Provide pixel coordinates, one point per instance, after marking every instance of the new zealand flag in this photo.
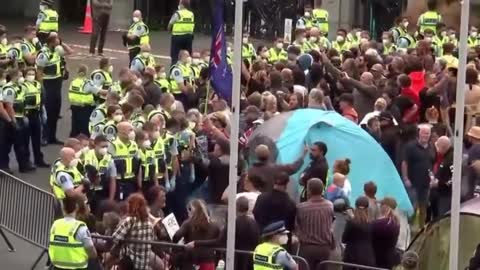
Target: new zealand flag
(220, 72)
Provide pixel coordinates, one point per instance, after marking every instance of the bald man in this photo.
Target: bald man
(441, 185)
(365, 92)
(126, 156)
(137, 35)
(143, 60)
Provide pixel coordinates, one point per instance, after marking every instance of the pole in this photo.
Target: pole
(458, 138)
(232, 186)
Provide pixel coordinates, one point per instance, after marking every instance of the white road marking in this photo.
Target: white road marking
(164, 57)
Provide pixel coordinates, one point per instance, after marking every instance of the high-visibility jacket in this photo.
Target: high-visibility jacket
(125, 159)
(137, 120)
(399, 32)
(3, 51)
(77, 95)
(248, 52)
(473, 42)
(110, 130)
(320, 19)
(19, 101)
(73, 172)
(53, 70)
(33, 95)
(16, 53)
(148, 163)
(144, 38)
(100, 109)
(264, 257)
(64, 250)
(185, 23)
(148, 61)
(412, 43)
(304, 47)
(50, 23)
(163, 84)
(390, 49)
(168, 140)
(429, 20)
(187, 75)
(108, 81)
(166, 115)
(101, 165)
(274, 55)
(437, 45)
(341, 47)
(307, 22)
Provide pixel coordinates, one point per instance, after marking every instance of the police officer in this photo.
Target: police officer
(71, 246)
(13, 98)
(47, 20)
(114, 116)
(306, 21)
(181, 25)
(277, 53)
(161, 79)
(102, 161)
(270, 254)
(102, 78)
(81, 95)
(143, 60)
(400, 29)
(181, 77)
(341, 44)
(319, 40)
(99, 115)
(429, 19)
(388, 44)
(197, 64)
(137, 35)
(248, 51)
(320, 17)
(49, 61)
(473, 37)
(147, 160)
(4, 46)
(125, 154)
(30, 46)
(33, 102)
(15, 54)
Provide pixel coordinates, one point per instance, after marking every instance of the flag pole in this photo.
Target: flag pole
(232, 186)
(458, 137)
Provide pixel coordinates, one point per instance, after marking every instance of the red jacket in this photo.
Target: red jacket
(418, 81)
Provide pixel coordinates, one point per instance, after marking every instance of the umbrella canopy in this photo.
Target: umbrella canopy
(288, 133)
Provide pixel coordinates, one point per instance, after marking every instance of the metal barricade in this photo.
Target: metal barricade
(357, 266)
(25, 211)
(171, 246)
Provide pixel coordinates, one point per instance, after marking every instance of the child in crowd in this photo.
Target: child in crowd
(335, 190)
(370, 190)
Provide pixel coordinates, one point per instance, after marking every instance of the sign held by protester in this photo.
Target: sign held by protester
(171, 225)
(287, 36)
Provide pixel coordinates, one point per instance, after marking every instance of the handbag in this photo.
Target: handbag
(125, 263)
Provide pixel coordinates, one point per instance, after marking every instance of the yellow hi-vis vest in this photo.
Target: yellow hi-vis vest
(76, 94)
(74, 173)
(19, 101)
(389, 50)
(160, 156)
(3, 51)
(124, 159)
(341, 47)
(101, 165)
(248, 52)
(473, 42)
(149, 166)
(168, 140)
(108, 82)
(144, 38)
(33, 95)
(185, 23)
(64, 250)
(275, 56)
(429, 20)
(320, 19)
(50, 23)
(187, 74)
(264, 257)
(146, 61)
(53, 70)
(163, 84)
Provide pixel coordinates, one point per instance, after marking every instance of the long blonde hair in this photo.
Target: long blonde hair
(199, 218)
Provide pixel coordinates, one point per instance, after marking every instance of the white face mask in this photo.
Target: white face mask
(452, 36)
(189, 60)
(21, 80)
(138, 82)
(313, 39)
(102, 151)
(85, 149)
(358, 34)
(405, 24)
(283, 239)
(307, 14)
(147, 144)
(195, 61)
(145, 54)
(303, 39)
(428, 39)
(135, 19)
(156, 135)
(3, 82)
(42, 7)
(35, 40)
(4, 41)
(110, 69)
(279, 45)
(73, 163)
(443, 34)
(340, 38)
(206, 59)
(245, 40)
(386, 41)
(131, 135)
(229, 49)
(117, 118)
(78, 154)
(473, 34)
(162, 75)
(59, 49)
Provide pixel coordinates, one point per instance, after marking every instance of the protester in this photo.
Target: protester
(318, 167)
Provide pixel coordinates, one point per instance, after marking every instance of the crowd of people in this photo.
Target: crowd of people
(156, 141)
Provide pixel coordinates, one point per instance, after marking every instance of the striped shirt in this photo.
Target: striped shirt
(314, 222)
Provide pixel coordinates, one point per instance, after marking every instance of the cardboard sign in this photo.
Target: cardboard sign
(171, 225)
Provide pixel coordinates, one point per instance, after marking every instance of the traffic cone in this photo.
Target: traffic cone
(87, 23)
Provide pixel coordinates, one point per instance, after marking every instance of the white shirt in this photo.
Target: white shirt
(370, 115)
(347, 188)
(252, 199)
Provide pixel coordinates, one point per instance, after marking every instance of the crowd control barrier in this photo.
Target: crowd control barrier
(351, 265)
(220, 252)
(25, 211)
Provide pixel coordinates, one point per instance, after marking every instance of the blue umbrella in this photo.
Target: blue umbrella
(288, 133)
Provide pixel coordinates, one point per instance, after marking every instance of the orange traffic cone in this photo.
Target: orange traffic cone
(87, 23)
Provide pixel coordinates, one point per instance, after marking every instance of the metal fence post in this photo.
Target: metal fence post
(9, 244)
(38, 259)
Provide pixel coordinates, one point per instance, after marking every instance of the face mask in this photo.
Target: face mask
(35, 40)
(59, 49)
(340, 38)
(42, 7)
(245, 40)
(405, 24)
(73, 163)
(206, 59)
(283, 239)
(452, 36)
(303, 39)
(180, 7)
(117, 118)
(145, 54)
(21, 80)
(156, 135)
(102, 151)
(138, 82)
(473, 34)
(135, 19)
(4, 41)
(280, 45)
(386, 41)
(358, 34)
(110, 69)
(444, 34)
(146, 144)
(162, 75)
(313, 39)
(30, 78)
(85, 149)
(78, 154)
(428, 39)
(131, 135)
(189, 60)
(195, 61)
(3, 81)
(229, 49)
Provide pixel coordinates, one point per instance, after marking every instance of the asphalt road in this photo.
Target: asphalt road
(25, 253)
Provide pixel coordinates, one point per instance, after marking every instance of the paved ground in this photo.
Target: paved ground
(25, 253)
